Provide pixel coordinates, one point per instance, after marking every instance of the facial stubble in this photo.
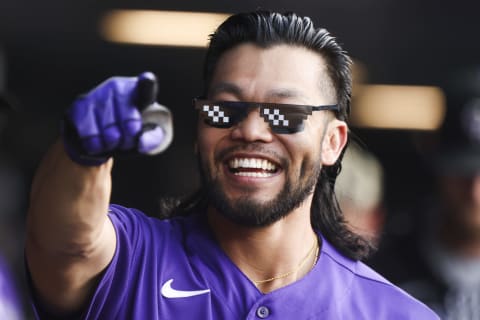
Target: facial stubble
(247, 211)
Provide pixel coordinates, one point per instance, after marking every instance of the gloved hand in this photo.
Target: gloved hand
(118, 116)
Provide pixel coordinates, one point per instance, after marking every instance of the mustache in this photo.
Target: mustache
(254, 147)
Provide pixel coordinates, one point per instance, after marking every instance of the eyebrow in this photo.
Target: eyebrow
(284, 93)
(225, 87)
(228, 87)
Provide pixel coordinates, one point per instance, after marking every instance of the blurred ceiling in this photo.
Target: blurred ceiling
(417, 34)
(399, 41)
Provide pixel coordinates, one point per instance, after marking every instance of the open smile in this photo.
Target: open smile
(252, 167)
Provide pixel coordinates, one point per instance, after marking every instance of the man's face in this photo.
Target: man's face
(255, 177)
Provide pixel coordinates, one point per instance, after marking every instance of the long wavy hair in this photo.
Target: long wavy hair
(266, 29)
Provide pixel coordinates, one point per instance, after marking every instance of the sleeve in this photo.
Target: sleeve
(130, 228)
(110, 294)
(131, 283)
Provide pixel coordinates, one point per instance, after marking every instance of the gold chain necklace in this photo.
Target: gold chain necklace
(298, 267)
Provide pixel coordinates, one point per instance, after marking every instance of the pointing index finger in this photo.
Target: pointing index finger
(146, 91)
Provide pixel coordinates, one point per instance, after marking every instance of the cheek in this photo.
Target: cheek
(207, 142)
(306, 142)
(304, 151)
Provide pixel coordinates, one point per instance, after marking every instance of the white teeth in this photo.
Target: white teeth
(264, 164)
(253, 174)
(252, 163)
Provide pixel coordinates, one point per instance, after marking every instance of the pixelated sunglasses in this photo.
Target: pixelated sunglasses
(282, 118)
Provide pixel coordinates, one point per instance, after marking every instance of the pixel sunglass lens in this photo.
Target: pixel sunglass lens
(282, 118)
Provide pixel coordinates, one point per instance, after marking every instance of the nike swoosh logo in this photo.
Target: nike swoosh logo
(168, 292)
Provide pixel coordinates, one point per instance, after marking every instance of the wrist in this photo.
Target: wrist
(75, 151)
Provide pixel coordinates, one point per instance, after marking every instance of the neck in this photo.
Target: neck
(284, 251)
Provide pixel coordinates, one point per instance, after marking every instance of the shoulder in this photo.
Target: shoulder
(370, 294)
(130, 216)
(137, 226)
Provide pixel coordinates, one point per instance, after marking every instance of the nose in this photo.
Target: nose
(252, 128)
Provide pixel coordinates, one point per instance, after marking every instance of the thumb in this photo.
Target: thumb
(150, 140)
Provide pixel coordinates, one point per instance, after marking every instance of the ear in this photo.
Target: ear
(334, 140)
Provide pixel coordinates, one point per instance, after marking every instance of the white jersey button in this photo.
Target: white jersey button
(263, 312)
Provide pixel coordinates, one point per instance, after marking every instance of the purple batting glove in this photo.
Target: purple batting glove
(108, 120)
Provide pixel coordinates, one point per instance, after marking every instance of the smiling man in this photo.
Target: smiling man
(263, 238)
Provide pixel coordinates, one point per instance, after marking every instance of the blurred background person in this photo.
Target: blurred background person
(359, 191)
(439, 261)
(12, 198)
(10, 303)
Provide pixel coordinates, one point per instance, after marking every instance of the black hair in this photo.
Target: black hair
(266, 29)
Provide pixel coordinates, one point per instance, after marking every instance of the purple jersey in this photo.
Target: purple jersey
(174, 269)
